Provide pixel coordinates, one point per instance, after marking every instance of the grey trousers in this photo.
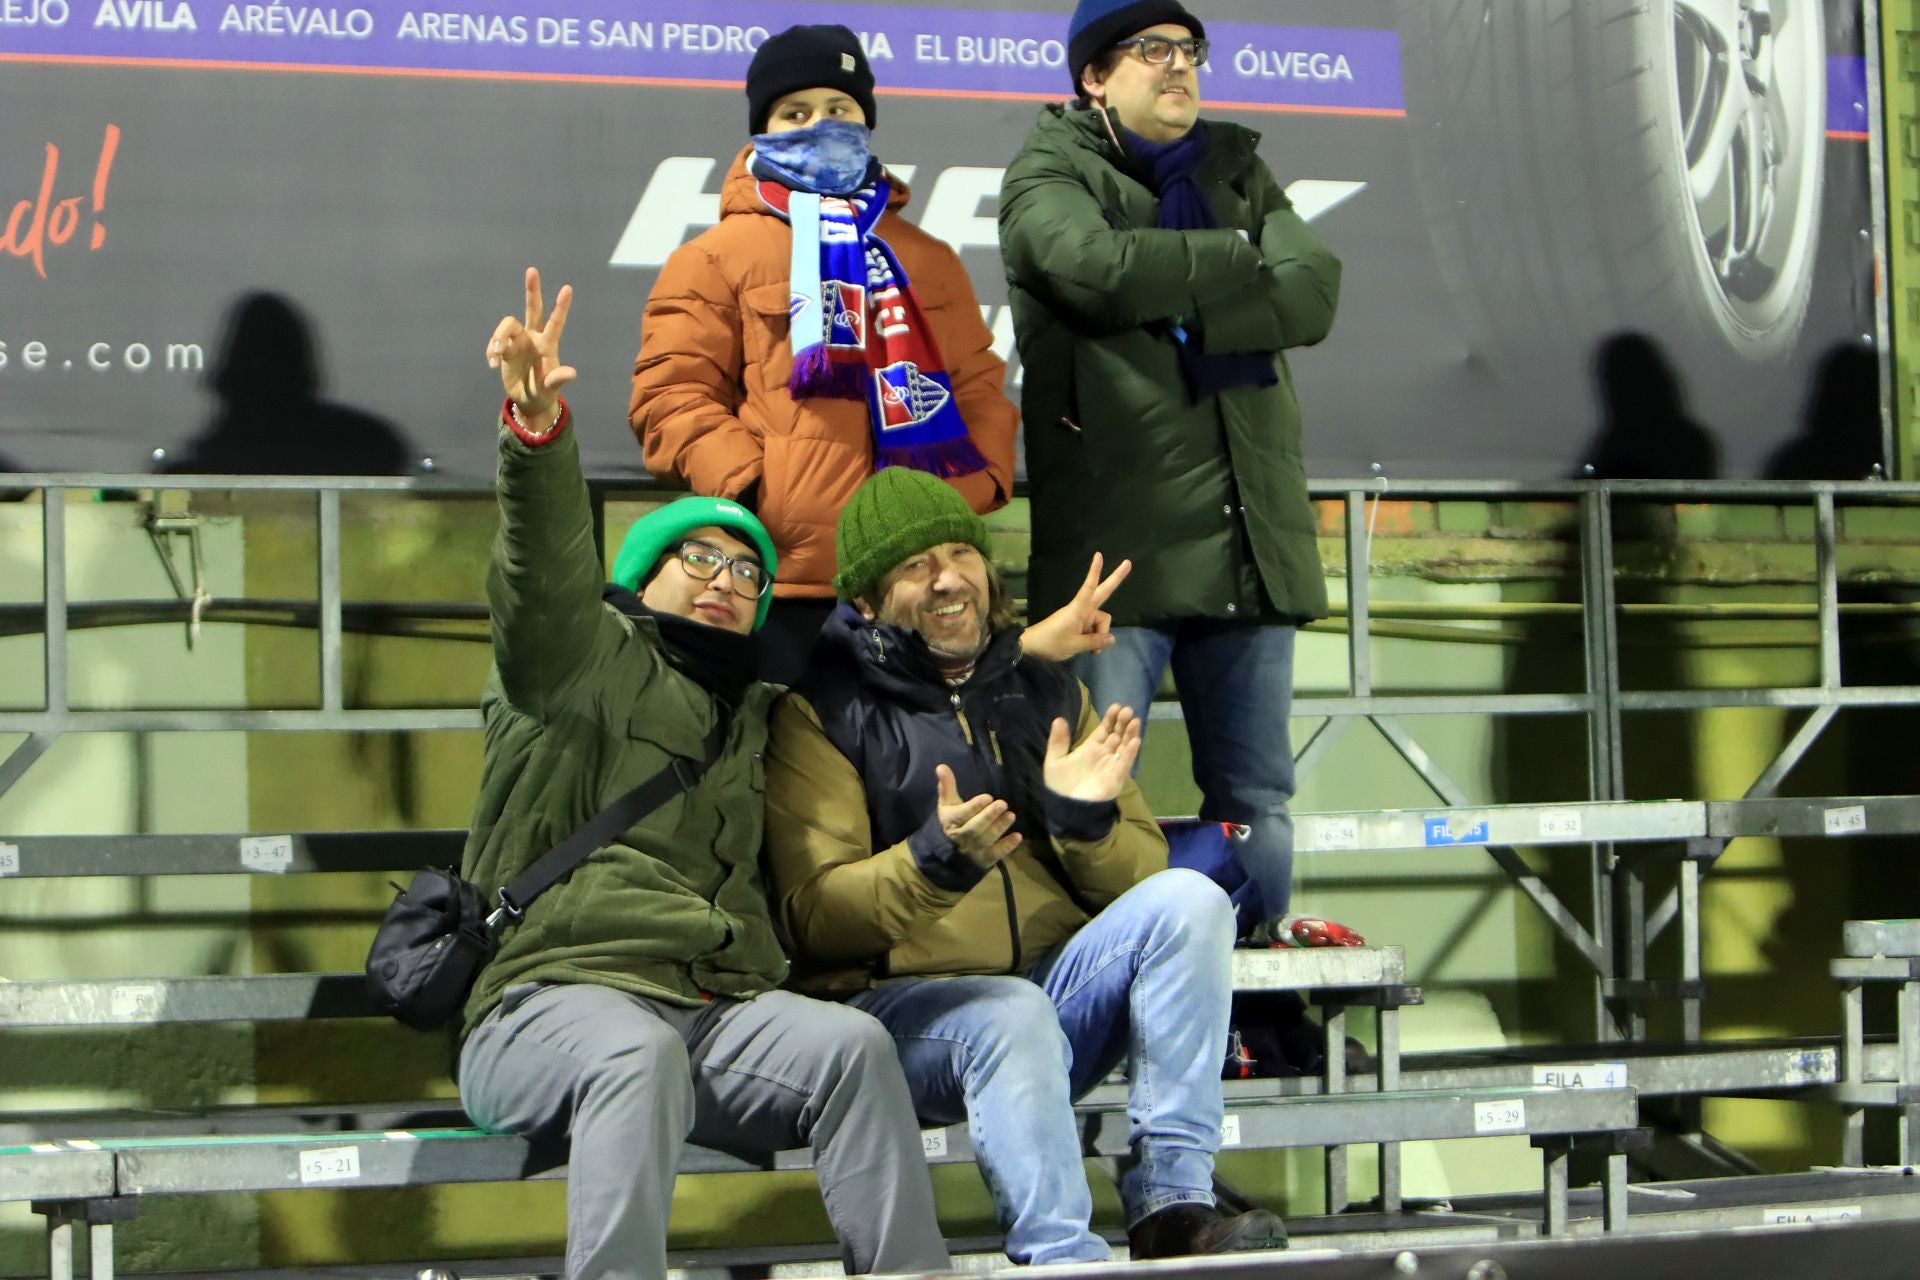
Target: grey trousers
(627, 1081)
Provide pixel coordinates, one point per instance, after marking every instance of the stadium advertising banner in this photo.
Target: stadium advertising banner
(1631, 236)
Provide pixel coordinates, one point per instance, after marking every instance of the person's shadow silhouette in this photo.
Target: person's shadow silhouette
(1840, 437)
(1645, 431)
(8, 467)
(271, 419)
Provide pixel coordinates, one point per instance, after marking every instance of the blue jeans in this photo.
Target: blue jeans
(1235, 681)
(1148, 982)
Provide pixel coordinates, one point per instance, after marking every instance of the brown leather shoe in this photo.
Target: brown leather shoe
(1184, 1230)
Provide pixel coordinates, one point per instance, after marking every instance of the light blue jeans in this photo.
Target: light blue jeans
(1148, 982)
(1235, 681)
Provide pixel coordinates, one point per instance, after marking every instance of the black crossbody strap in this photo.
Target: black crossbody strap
(558, 862)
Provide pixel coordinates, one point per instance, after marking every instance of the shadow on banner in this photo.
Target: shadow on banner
(271, 419)
(7, 494)
(1840, 436)
(1646, 431)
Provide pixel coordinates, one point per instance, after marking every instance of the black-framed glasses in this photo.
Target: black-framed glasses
(704, 561)
(1158, 50)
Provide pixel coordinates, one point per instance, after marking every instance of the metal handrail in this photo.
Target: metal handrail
(1616, 941)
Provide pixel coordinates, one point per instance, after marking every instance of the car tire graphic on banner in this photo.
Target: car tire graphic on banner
(1594, 166)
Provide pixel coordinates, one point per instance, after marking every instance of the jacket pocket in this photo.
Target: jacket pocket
(672, 729)
(655, 742)
(766, 337)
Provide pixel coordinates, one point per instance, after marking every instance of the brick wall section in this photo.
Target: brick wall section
(1727, 544)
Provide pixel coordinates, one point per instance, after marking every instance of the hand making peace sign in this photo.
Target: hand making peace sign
(527, 354)
(1080, 625)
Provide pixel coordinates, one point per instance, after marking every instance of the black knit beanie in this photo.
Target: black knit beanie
(1098, 24)
(826, 56)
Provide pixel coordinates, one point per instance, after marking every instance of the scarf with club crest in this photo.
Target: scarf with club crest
(857, 331)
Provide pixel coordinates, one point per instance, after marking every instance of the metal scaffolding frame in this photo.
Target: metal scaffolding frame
(1614, 944)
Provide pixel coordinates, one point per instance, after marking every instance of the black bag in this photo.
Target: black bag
(1270, 1034)
(438, 934)
(429, 949)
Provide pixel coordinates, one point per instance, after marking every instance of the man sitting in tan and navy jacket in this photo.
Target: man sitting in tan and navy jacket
(949, 856)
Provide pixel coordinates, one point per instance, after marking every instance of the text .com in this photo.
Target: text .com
(102, 357)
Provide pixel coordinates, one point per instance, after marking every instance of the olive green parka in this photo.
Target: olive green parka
(582, 706)
(1209, 500)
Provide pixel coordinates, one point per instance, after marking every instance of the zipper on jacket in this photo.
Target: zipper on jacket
(1006, 877)
(1013, 914)
(960, 714)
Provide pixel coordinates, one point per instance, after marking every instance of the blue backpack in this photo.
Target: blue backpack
(1208, 847)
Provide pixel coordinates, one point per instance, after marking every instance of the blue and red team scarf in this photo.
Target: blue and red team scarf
(858, 332)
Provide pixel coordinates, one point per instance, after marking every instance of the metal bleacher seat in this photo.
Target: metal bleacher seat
(92, 1169)
(100, 1180)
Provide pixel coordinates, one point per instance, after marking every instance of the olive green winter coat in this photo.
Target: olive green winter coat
(1209, 500)
(581, 707)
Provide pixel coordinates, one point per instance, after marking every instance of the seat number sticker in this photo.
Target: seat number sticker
(330, 1164)
(1337, 833)
(271, 854)
(139, 1003)
(1502, 1116)
(1561, 824)
(1847, 820)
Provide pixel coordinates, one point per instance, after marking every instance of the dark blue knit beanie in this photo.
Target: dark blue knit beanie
(1097, 24)
(818, 56)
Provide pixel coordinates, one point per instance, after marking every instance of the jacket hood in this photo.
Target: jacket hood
(739, 193)
(895, 662)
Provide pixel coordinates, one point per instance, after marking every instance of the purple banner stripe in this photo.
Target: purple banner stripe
(952, 50)
(1846, 95)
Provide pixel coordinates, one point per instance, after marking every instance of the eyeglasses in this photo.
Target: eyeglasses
(1158, 50)
(704, 562)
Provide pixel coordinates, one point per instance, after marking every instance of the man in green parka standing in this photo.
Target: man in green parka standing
(1157, 274)
(635, 1006)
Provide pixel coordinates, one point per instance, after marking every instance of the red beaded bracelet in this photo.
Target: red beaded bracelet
(511, 413)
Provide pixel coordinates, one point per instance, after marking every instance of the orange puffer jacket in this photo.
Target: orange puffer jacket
(710, 404)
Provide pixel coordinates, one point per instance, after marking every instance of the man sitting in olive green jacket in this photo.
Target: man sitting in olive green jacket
(634, 1006)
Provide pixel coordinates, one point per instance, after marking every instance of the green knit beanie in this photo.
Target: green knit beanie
(898, 512)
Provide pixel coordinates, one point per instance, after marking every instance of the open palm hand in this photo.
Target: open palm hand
(1098, 768)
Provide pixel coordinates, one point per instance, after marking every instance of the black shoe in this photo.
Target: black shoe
(1185, 1230)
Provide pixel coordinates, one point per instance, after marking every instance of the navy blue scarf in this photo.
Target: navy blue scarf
(1171, 170)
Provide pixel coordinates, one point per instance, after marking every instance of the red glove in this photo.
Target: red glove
(1312, 931)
